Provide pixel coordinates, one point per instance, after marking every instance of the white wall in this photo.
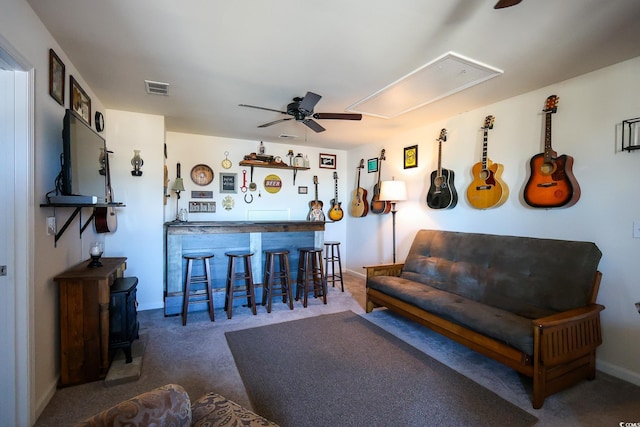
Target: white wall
(586, 126)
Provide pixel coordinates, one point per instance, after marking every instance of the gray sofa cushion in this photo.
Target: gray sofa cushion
(499, 324)
(526, 276)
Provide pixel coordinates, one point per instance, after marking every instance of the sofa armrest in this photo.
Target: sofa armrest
(166, 405)
(384, 270)
(565, 336)
(214, 410)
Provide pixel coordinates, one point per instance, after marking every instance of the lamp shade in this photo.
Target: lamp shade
(393, 191)
(178, 185)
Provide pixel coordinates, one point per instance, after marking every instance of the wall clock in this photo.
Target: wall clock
(99, 121)
(201, 174)
(226, 163)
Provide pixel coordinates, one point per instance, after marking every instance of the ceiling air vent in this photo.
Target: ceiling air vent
(157, 88)
(287, 136)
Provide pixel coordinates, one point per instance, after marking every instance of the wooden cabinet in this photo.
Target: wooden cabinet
(84, 320)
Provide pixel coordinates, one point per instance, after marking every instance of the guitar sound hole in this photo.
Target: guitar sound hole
(547, 168)
(484, 174)
(438, 181)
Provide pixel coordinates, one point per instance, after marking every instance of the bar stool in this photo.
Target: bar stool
(277, 282)
(246, 276)
(331, 256)
(310, 275)
(195, 297)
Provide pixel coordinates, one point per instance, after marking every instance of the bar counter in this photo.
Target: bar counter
(218, 237)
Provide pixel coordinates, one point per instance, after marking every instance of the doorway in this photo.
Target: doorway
(16, 236)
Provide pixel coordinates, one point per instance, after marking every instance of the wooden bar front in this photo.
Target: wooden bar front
(84, 320)
(218, 237)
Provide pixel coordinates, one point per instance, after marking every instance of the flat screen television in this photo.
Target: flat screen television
(83, 172)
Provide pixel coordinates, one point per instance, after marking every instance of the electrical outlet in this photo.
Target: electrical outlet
(636, 229)
(51, 225)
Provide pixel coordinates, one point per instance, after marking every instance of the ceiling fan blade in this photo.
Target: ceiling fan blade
(337, 116)
(313, 125)
(274, 122)
(506, 3)
(309, 101)
(262, 108)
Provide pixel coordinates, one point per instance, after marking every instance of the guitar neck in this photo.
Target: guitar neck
(440, 157)
(484, 150)
(548, 151)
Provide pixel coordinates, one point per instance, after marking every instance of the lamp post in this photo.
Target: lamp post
(393, 191)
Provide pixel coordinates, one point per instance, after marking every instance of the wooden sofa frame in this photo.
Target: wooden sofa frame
(564, 343)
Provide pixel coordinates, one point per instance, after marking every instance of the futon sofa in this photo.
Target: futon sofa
(528, 303)
(169, 405)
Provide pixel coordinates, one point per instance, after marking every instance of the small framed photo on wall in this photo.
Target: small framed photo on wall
(327, 161)
(372, 165)
(56, 77)
(411, 157)
(228, 182)
(79, 100)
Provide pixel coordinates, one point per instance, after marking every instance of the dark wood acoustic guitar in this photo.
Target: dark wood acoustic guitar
(551, 182)
(336, 213)
(487, 190)
(378, 206)
(442, 192)
(315, 211)
(104, 217)
(359, 204)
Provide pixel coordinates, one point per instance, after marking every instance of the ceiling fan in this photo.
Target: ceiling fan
(301, 110)
(506, 3)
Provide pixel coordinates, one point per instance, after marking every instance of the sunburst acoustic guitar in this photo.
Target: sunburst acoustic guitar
(487, 190)
(335, 213)
(551, 182)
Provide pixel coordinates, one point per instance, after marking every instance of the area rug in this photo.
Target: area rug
(342, 370)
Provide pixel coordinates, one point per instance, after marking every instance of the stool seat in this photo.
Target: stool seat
(277, 282)
(310, 275)
(246, 276)
(190, 279)
(331, 257)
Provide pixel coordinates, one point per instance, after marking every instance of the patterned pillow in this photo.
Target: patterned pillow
(213, 410)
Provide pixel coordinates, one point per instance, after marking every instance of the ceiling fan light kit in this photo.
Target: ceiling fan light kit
(301, 110)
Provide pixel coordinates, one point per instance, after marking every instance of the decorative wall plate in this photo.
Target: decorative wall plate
(202, 174)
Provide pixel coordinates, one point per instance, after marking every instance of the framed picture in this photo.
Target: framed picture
(411, 157)
(56, 77)
(372, 165)
(303, 190)
(228, 182)
(79, 100)
(327, 161)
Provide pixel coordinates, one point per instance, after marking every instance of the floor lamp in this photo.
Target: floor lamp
(393, 191)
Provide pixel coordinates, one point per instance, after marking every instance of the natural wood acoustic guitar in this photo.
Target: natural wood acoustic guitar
(551, 182)
(487, 190)
(359, 204)
(104, 217)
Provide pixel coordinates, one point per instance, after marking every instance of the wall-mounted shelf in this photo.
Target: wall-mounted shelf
(77, 209)
(258, 164)
(631, 134)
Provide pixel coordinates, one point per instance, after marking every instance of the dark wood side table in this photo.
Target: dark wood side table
(84, 320)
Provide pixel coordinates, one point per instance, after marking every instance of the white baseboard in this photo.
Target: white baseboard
(618, 372)
(42, 403)
(356, 273)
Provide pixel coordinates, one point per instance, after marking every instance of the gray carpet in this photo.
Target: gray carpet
(342, 370)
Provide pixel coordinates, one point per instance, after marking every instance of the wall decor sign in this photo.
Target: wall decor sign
(411, 157)
(202, 194)
(372, 165)
(79, 100)
(272, 183)
(228, 182)
(56, 77)
(303, 189)
(327, 161)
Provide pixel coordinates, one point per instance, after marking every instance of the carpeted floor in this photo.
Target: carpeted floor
(342, 370)
(197, 357)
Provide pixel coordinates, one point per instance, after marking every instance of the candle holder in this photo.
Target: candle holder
(95, 252)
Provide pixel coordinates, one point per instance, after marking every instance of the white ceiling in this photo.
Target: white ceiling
(218, 54)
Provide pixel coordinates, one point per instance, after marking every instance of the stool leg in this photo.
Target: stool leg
(340, 268)
(267, 287)
(320, 280)
(285, 262)
(207, 272)
(231, 271)
(251, 293)
(187, 291)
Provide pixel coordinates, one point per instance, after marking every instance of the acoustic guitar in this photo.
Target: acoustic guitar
(315, 212)
(551, 182)
(335, 213)
(378, 206)
(487, 190)
(104, 217)
(359, 204)
(442, 192)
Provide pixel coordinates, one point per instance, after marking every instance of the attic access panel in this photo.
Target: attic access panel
(444, 76)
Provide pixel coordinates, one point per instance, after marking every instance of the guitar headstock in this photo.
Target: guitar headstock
(488, 122)
(443, 135)
(335, 175)
(361, 164)
(382, 155)
(551, 106)
(315, 179)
